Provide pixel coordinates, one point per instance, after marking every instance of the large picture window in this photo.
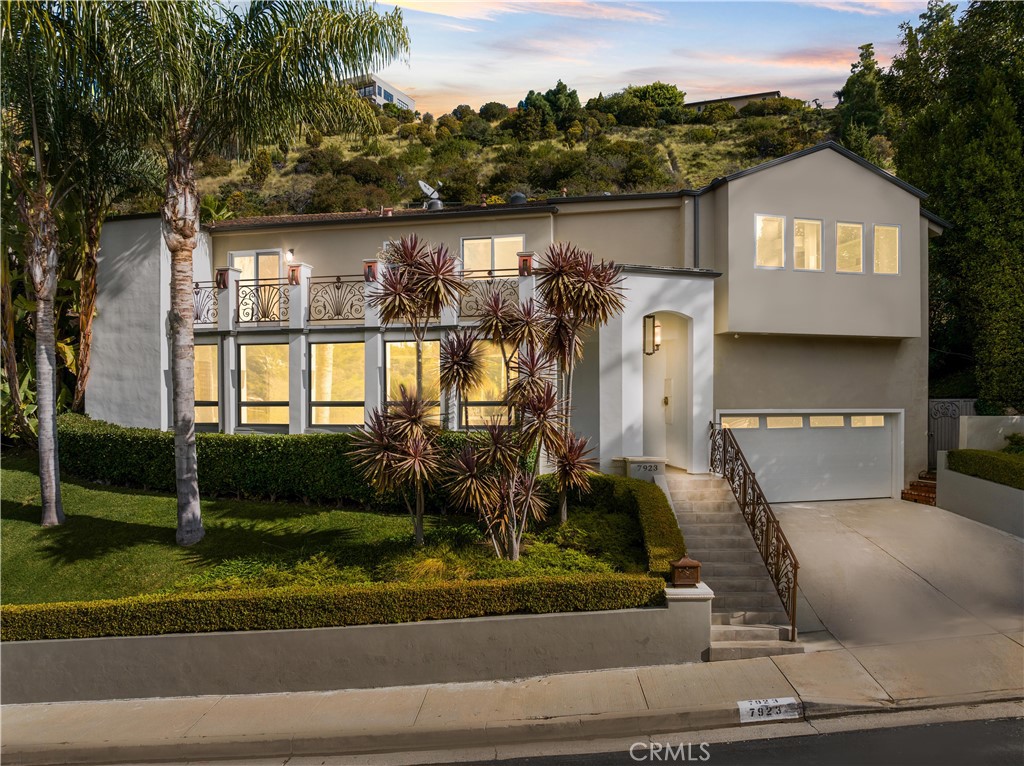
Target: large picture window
(206, 386)
(263, 385)
(849, 248)
(770, 242)
(806, 245)
(887, 249)
(423, 375)
(484, 403)
(336, 373)
(488, 254)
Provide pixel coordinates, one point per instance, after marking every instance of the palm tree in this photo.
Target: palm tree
(201, 77)
(50, 77)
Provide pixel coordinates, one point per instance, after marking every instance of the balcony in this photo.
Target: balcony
(303, 301)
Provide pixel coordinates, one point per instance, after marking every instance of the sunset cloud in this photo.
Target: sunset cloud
(488, 10)
(866, 7)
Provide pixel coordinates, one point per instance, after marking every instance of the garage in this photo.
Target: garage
(802, 456)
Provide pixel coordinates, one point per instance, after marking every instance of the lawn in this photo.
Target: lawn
(119, 542)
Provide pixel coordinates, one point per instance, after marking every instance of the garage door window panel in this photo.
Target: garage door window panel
(867, 421)
(785, 422)
(741, 421)
(826, 421)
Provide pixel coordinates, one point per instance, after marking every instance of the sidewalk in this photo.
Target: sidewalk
(602, 704)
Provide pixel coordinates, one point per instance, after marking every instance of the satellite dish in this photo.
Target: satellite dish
(429, 190)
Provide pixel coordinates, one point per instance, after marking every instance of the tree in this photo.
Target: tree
(493, 111)
(200, 78)
(49, 79)
(259, 168)
(860, 99)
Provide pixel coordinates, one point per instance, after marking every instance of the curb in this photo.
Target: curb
(378, 741)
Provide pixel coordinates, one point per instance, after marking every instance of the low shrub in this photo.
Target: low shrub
(1000, 467)
(313, 468)
(1014, 444)
(318, 607)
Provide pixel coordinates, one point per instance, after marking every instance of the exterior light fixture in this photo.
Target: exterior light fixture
(290, 255)
(685, 573)
(652, 334)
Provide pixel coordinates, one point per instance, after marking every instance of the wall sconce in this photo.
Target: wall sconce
(290, 255)
(652, 334)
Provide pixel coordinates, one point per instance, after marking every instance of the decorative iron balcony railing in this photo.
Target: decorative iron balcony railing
(205, 303)
(481, 283)
(728, 461)
(337, 299)
(262, 300)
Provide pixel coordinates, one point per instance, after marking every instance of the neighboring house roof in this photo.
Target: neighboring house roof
(765, 94)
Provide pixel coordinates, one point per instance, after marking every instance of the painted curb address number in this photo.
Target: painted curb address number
(774, 709)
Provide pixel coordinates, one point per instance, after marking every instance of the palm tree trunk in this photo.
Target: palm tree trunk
(46, 400)
(86, 309)
(180, 227)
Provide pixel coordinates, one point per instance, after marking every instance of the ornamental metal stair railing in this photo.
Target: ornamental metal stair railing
(337, 299)
(204, 303)
(728, 461)
(263, 300)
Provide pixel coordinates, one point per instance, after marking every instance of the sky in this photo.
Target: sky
(474, 51)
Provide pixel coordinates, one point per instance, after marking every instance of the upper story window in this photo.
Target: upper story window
(806, 244)
(770, 242)
(388, 96)
(850, 248)
(261, 266)
(887, 249)
(488, 254)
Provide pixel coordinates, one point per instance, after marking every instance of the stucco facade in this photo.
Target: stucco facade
(736, 337)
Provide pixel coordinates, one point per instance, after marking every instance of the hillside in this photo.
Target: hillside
(327, 174)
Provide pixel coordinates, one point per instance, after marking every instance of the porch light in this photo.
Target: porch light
(652, 334)
(685, 573)
(290, 255)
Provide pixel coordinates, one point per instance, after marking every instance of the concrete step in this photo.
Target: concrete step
(924, 486)
(725, 556)
(726, 569)
(749, 633)
(917, 496)
(927, 475)
(745, 650)
(721, 542)
(723, 584)
(748, 616)
(696, 480)
(746, 601)
(721, 507)
(716, 529)
(694, 516)
(720, 494)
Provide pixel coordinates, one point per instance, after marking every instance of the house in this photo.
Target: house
(789, 302)
(737, 102)
(379, 92)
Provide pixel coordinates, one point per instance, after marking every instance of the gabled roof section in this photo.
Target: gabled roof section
(812, 150)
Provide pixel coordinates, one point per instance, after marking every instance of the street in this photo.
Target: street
(997, 742)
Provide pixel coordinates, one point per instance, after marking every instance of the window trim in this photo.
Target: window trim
(272, 428)
(821, 244)
(899, 248)
(785, 225)
(311, 403)
(850, 223)
(491, 271)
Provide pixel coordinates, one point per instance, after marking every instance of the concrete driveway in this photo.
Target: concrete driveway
(876, 572)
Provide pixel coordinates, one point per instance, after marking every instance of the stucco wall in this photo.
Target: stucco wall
(759, 372)
(988, 431)
(644, 232)
(365, 656)
(987, 502)
(128, 382)
(341, 249)
(829, 187)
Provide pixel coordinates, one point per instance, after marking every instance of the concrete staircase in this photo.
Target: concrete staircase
(747, 616)
(922, 489)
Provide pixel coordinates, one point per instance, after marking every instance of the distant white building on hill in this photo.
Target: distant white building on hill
(380, 92)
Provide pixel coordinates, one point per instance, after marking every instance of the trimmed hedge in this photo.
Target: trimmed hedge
(1000, 467)
(313, 468)
(293, 607)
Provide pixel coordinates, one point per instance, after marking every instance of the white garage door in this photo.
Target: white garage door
(817, 456)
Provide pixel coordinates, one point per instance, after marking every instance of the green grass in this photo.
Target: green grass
(119, 542)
